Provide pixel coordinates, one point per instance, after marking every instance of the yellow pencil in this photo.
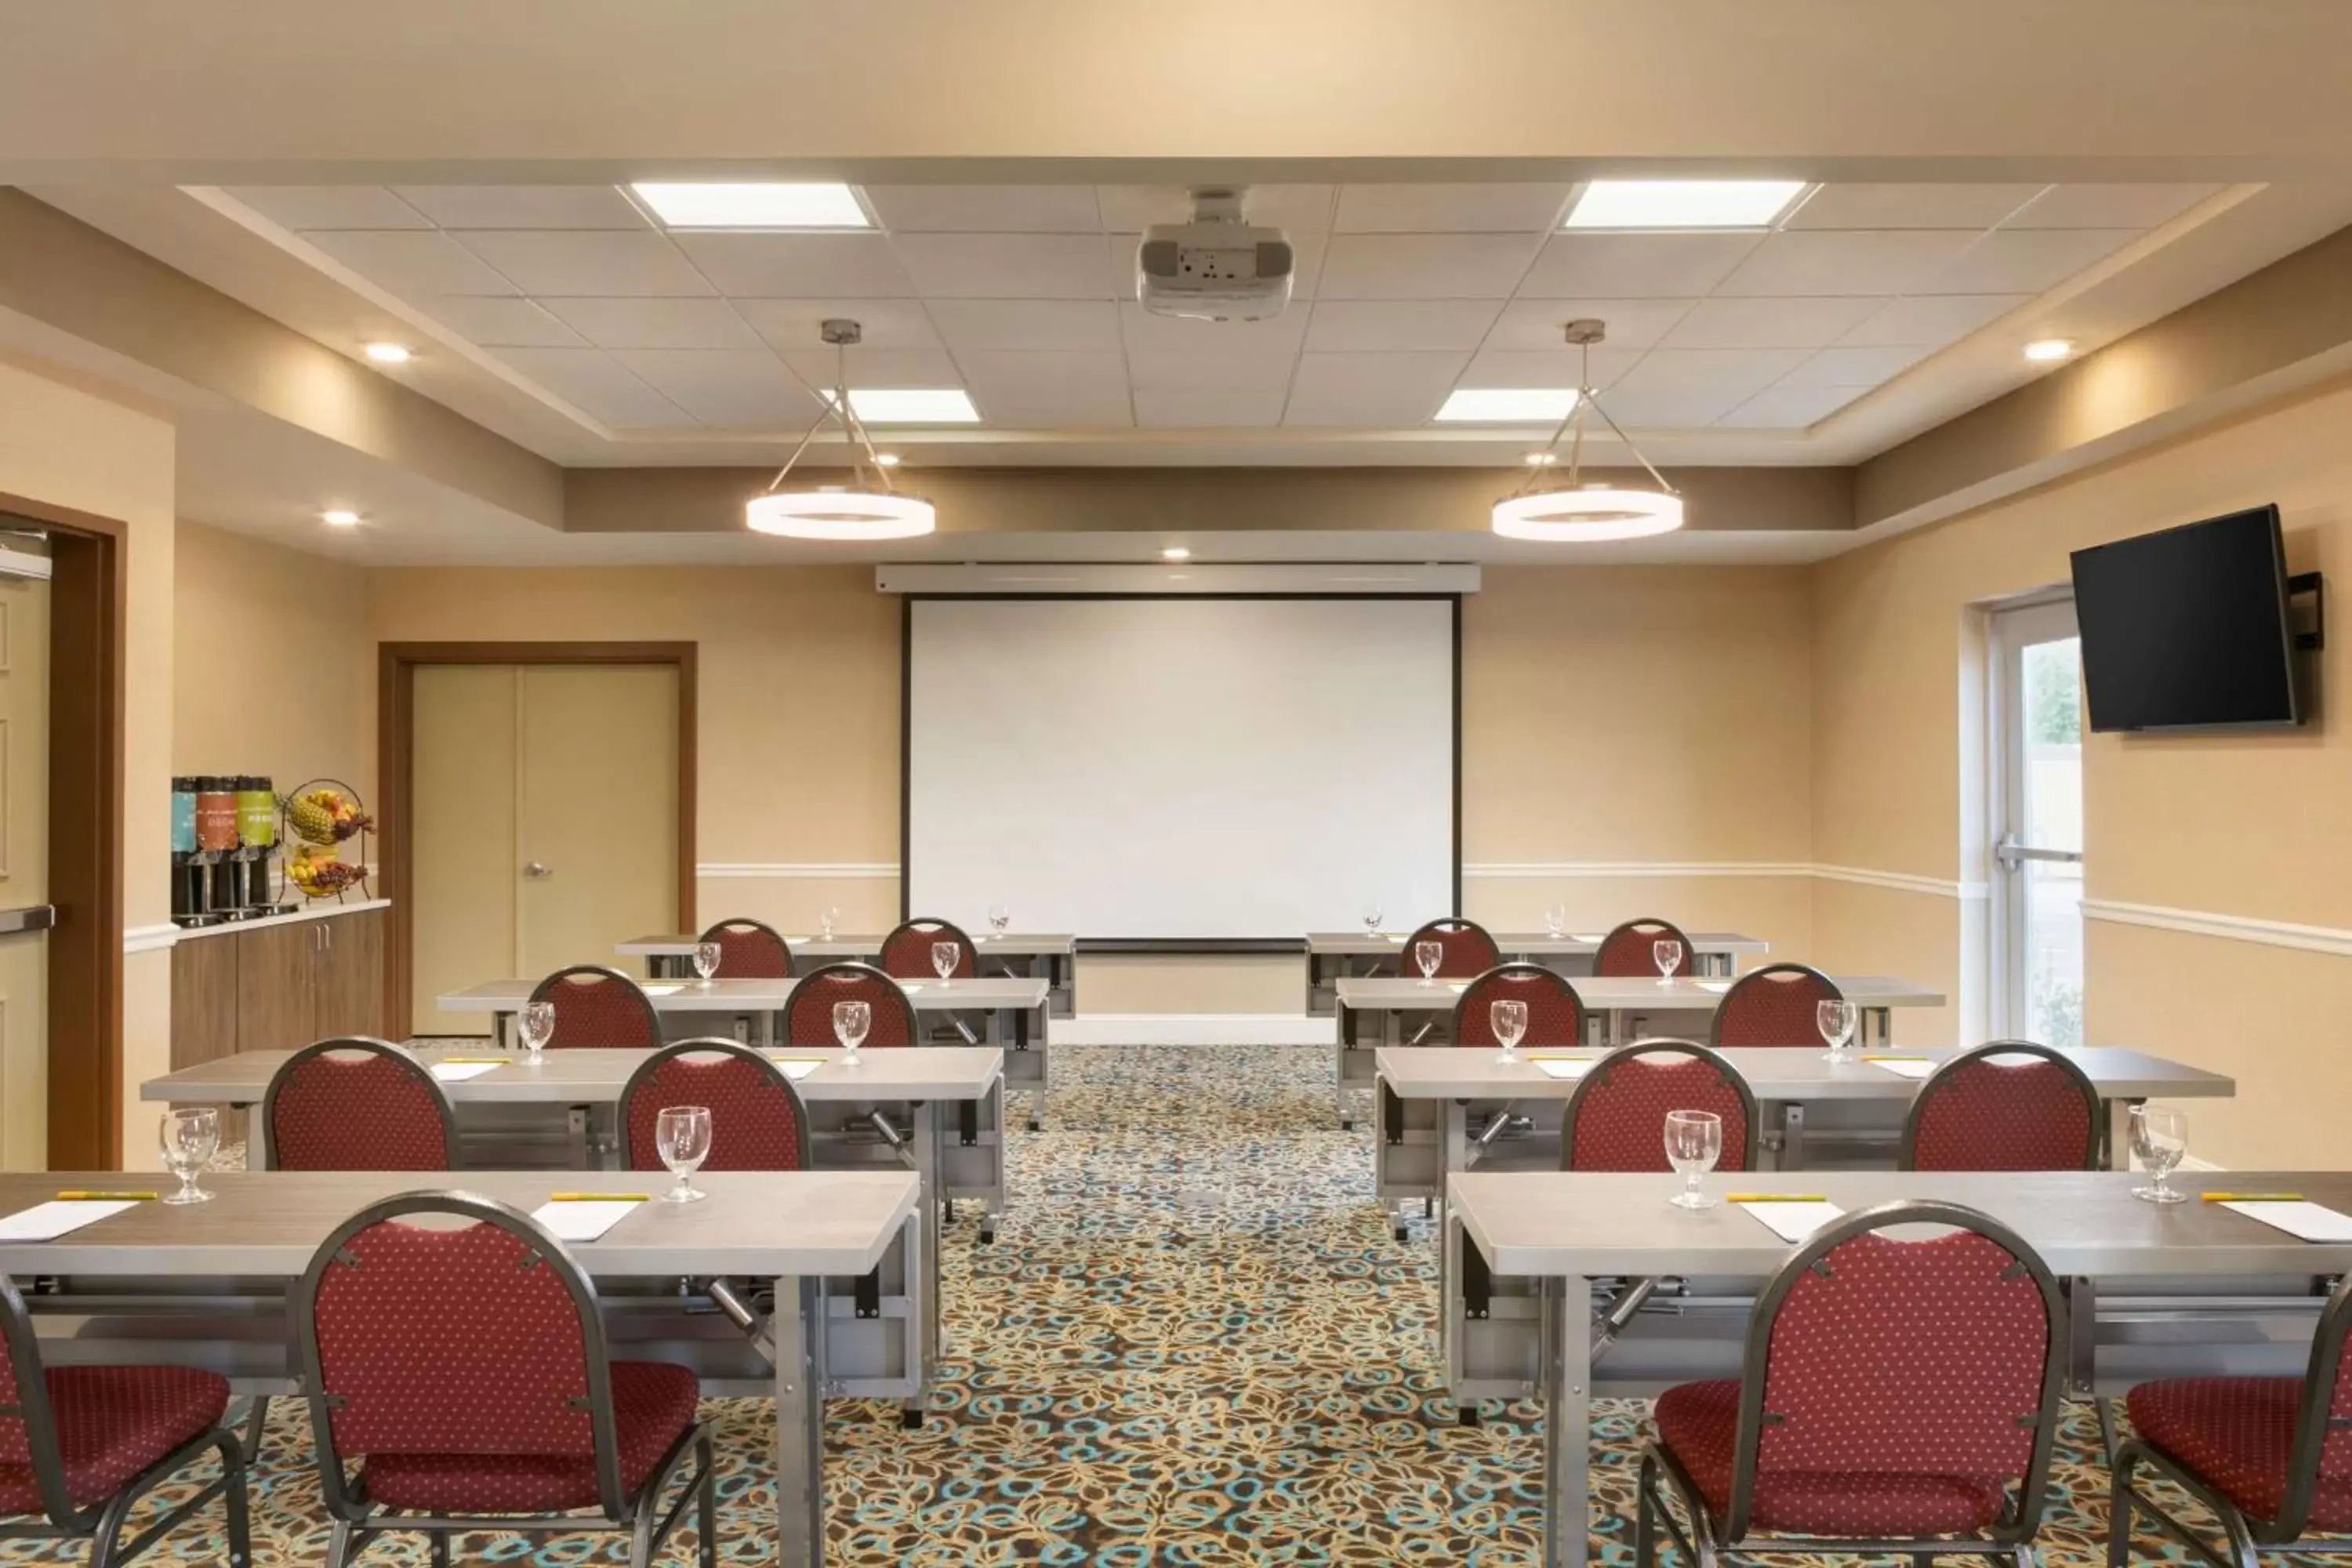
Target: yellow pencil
(2251, 1197)
(101, 1197)
(599, 1197)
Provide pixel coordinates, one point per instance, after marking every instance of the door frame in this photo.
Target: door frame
(2011, 626)
(396, 665)
(86, 585)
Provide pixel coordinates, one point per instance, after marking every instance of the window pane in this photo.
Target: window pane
(2054, 744)
(2053, 952)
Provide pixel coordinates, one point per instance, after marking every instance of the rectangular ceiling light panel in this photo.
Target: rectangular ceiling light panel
(754, 206)
(1682, 203)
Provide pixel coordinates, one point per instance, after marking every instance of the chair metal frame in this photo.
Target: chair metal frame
(357, 1520)
(1751, 1113)
(711, 1045)
(1907, 1157)
(843, 966)
(1515, 969)
(1710, 1539)
(451, 1155)
(1715, 1024)
(738, 924)
(1665, 929)
(544, 991)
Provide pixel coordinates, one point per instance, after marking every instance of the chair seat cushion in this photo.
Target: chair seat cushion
(653, 1404)
(2236, 1433)
(1698, 1424)
(113, 1422)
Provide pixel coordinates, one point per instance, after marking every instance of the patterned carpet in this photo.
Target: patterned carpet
(1194, 1343)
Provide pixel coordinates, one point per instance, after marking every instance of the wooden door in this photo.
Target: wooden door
(23, 871)
(277, 986)
(463, 865)
(351, 975)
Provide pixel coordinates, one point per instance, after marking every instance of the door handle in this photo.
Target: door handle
(2013, 855)
(535, 869)
(31, 916)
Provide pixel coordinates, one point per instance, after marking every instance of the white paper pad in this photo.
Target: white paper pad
(582, 1221)
(1553, 1067)
(1459, 987)
(911, 990)
(1794, 1219)
(662, 990)
(47, 1222)
(1718, 986)
(1588, 936)
(1904, 1067)
(798, 1067)
(2310, 1222)
(459, 1072)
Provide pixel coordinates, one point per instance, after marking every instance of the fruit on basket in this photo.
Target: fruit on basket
(315, 869)
(326, 817)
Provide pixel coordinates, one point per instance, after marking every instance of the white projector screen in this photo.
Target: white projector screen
(1167, 768)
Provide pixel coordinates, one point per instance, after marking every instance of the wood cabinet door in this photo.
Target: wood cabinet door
(203, 1000)
(277, 970)
(349, 998)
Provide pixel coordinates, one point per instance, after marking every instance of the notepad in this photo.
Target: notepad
(1589, 936)
(459, 1072)
(1459, 987)
(1561, 1067)
(662, 990)
(798, 1067)
(1718, 986)
(1398, 938)
(1903, 1067)
(47, 1222)
(909, 990)
(2308, 1221)
(1792, 1219)
(586, 1220)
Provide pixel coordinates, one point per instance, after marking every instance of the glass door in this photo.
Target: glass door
(2038, 839)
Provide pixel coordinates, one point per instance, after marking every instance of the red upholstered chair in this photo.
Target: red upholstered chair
(1773, 1005)
(757, 1120)
(2009, 1106)
(465, 1372)
(750, 950)
(356, 1104)
(81, 1445)
(1468, 950)
(2272, 1456)
(1555, 1012)
(907, 952)
(1898, 1396)
(1616, 1119)
(808, 1012)
(597, 1006)
(1625, 954)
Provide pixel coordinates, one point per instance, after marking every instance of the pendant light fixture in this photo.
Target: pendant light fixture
(1571, 512)
(867, 507)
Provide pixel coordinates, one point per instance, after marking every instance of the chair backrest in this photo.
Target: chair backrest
(757, 1120)
(907, 952)
(750, 950)
(1871, 1355)
(1555, 1012)
(1469, 951)
(597, 1006)
(355, 1103)
(1616, 1119)
(808, 1012)
(2323, 1418)
(1774, 1006)
(483, 1340)
(2009, 1106)
(1625, 954)
(28, 1424)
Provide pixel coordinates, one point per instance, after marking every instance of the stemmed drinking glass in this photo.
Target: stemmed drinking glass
(2159, 1140)
(1693, 1144)
(191, 1138)
(1510, 1019)
(1667, 954)
(682, 1139)
(999, 917)
(1837, 1022)
(706, 961)
(943, 958)
(535, 1024)
(1556, 920)
(827, 919)
(1426, 957)
(1373, 915)
(851, 1020)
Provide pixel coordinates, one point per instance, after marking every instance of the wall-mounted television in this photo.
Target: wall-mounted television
(2188, 628)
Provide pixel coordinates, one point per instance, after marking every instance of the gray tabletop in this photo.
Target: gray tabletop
(584, 1077)
(1773, 1072)
(735, 996)
(1017, 944)
(1540, 944)
(757, 1224)
(2081, 1222)
(1600, 993)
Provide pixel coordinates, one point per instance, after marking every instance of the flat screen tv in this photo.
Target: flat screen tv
(2189, 629)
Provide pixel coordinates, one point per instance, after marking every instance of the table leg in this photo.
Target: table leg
(931, 1136)
(1343, 1030)
(1880, 1020)
(2119, 1134)
(1568, 1423)
(993, 1213)
(800, 1427)
(764, 1028)
(498, 1022)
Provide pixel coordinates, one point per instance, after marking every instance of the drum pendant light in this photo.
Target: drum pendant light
(1572, 512)
(867, 507)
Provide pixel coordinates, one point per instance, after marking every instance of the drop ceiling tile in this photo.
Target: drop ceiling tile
(878, 367)
(1003, 266)
(725, 387)
(1425, 265)
(524, 206)
(1851, 366)
(1252, 370)
(1355, 325)
(1130, 209)
(1450, 209)
(986, 209)
(798, 265)
(2110, 206)
(1677, 408)
(1048, 390)
(304, 207)
(797, 325)
(1910, 207)
(1634, 266)
(1147, 334)
(977, 326)
(1845, 261)
(1371, 388)
(1534, 325)
(2028, 260)
(495, 321)
(1163, 410)
(412, 264)
(657, 323)
(591, 381)
(1934, 320)
(1744, 370)
(549, 263)
(1786, 408)
(1548, 367)
(1800, 323)
(1306, 264)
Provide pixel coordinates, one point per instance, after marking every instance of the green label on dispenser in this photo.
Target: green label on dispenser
(256, 817)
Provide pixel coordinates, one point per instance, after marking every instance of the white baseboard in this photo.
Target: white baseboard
(1192, 1029)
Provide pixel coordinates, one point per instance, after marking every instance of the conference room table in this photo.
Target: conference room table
(1014, 1011)
(205, 1285)
(1684, 1006)
(2191, 1290)
(1052, 957)
(1334, 955)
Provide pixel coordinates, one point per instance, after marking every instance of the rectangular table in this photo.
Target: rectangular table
(204, 1285)
(1684, 1006)
(2211, 1293)
(1334, 954)
(1052, 957)
(1014, 1011)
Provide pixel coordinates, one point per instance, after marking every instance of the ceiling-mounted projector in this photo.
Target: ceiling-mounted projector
(1217, 267)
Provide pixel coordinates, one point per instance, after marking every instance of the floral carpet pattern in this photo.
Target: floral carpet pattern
(1194, 1342)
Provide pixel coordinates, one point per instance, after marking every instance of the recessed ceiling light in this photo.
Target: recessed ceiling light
(881, 459)
(389, 353)
(339, 517)
(1682, 203)
(2043, 350)
(1508, 404)
(911, 404)
(1175, 553)
(754, 206)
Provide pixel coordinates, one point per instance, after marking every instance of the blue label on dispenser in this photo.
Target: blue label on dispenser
(184, 822)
